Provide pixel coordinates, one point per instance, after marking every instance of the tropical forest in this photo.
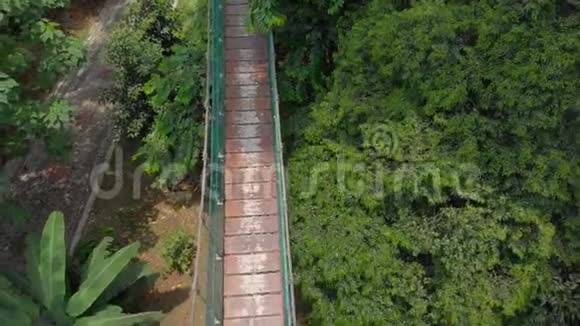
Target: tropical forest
(290, 162)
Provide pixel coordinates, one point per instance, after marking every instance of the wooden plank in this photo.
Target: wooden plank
(251, 225)
(246, 66)
(249, 131)
(256, 321)
(248, 145)
(247, 78)
(246, 54)
(247, 91)
(252, 306)
(255, 190)
(248, 104)
(238, 31)
(250, 42)
(236, 20)
(254, 263)
(242, 160)
(237, 9)
(248, 117)
(252, 284)
(250, 207)
(246, 175)
(251, 244)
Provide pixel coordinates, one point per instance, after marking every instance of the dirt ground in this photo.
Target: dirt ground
(79, 17)
(42, 184)
(149, 219)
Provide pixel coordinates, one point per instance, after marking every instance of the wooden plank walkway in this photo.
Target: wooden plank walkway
(252, 266)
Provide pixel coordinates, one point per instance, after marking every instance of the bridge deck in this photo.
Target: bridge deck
(252, 264)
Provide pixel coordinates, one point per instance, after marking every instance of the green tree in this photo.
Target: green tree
(305, 47)
(159, 59)
(436, 181)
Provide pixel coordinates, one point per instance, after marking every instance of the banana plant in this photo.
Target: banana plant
(103, 277)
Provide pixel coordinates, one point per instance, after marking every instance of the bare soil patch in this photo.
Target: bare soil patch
(79, 17)
(41, 184)
(151, 218)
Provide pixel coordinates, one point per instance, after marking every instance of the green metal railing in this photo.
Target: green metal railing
(216, 187)
(208, 270)
(288, 289)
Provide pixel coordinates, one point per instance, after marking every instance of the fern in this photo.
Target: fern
(263, 15)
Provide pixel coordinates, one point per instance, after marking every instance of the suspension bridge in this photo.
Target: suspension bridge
(242, 273)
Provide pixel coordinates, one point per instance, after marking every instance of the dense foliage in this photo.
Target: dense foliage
(34, 52)
(436, 180)
(263, 15)
(305, 50)
(178, 250)
(45, 296)
(159, 59)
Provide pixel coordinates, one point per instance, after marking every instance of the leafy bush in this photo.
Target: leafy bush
(45, 295)
(455, 197)
(305, 48)
(263, 15)
(13, 9)
(24, 120)
(159, 59)
(178, 251)
(135, 55)
(34, 52)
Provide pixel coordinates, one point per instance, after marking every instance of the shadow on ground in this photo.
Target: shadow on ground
(150, 219)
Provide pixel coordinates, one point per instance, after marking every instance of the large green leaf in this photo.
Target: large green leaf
(100, 277)
(113, 316)
(10, 317)
(53, 262)
(129, 276)
(97, 257)
(35, 285)
(32, 255)
(11, 299)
